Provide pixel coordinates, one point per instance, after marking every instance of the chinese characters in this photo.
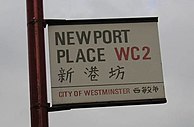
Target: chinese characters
(65, 75)
(119, 71)
(92, 73)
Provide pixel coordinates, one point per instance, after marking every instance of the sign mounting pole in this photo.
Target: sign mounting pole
(37, 69)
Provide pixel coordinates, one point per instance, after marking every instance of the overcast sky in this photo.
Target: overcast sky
(176, 31)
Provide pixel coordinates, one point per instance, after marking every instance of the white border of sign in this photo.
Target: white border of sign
(104, 46)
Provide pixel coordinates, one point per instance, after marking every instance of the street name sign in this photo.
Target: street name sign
(105, 62)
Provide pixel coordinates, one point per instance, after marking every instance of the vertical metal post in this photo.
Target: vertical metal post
(37, 69)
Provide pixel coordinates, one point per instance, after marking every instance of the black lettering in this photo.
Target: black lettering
(83, 37)
(59, 38)
(97, 35)
(125, 35)
(67, 57)
(69, 38)
(100, 54)
(107, 37)
(60, 54)
(80, 56)
(117, 36)
(89, 58)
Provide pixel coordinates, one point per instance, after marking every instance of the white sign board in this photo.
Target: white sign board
(105, 61)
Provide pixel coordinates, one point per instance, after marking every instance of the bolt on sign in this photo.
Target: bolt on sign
(105, 62)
